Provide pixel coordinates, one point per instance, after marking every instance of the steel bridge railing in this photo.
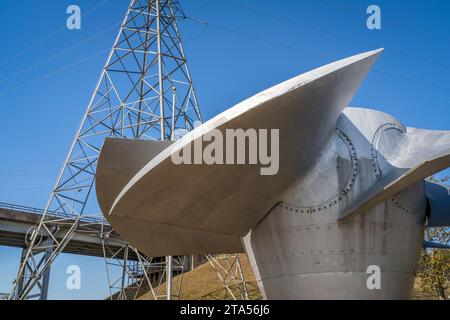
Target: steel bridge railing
(56, 215)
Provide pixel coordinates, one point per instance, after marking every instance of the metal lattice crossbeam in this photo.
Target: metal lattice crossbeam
(230, 273)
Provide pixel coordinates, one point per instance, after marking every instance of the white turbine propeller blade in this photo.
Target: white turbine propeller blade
(168, 209)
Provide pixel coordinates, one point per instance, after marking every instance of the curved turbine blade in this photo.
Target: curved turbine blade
(119, 161)
(168, 209)
(423, 153)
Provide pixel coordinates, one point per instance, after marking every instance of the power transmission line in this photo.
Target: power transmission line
(50, 35)
(347, 9)
(59, 53)
(246, 35)
(285, 46)
(240, 33)
(55, 72)
(334, 34)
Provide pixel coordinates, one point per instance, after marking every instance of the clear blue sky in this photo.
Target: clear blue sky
(245, 50)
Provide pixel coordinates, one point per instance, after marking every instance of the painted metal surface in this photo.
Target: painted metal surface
(350, 193)
(411, 156)
(438, 196)
(303, 251)
(213, 206)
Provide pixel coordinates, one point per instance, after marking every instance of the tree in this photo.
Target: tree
(434, 265)
(434, 271)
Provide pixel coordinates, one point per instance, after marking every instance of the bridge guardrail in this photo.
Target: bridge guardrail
(84, 218)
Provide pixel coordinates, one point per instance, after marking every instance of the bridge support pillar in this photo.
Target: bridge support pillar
(46, 276)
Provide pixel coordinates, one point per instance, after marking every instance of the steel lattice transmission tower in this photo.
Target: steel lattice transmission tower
(145, 92)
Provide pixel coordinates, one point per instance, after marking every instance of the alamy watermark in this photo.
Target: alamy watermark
(73, 281)
(374, 280)
(374, 20)
(237, 147)
(74, 20)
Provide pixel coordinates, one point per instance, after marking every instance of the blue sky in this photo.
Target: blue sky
(249, 46)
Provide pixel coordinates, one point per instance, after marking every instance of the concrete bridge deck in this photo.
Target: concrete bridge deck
(17, 221)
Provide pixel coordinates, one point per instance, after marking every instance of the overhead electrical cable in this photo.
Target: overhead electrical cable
(285, 46)
(346, 9)
(334, 34)
(59, 53)
(232, 31)
(55, 72)
(50, 35)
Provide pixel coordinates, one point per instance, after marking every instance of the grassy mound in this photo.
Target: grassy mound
(204, 284)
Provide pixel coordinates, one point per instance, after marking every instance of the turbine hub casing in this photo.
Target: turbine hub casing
(301, 249)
